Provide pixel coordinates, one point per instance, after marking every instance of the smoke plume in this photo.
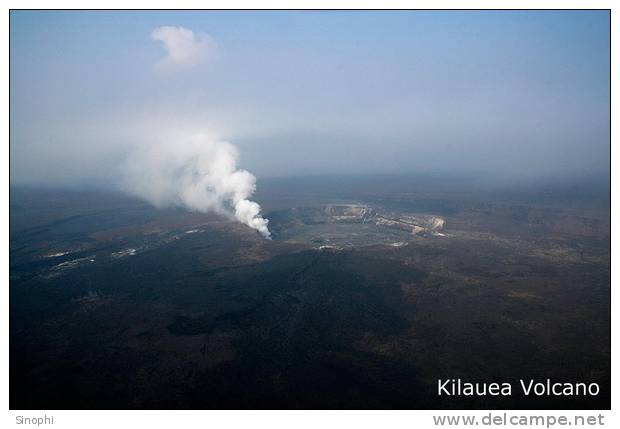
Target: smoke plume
(197, 173)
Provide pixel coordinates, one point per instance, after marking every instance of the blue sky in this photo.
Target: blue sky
(505, 94)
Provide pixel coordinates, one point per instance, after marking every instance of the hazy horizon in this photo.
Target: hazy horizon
(503, 95)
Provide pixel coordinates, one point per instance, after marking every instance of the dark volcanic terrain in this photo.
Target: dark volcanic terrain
(371, 290)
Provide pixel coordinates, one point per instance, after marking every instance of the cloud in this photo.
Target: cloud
(184, 48)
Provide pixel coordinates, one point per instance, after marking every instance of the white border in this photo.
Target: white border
(281, 419)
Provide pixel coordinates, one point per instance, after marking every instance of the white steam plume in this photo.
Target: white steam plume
(196, 173)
